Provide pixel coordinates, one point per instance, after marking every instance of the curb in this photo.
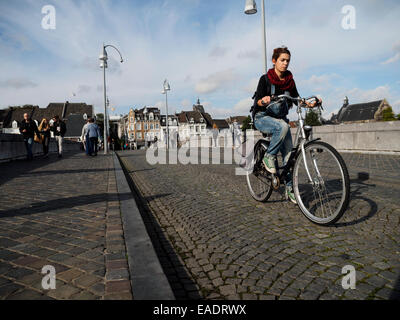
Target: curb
(148, 280)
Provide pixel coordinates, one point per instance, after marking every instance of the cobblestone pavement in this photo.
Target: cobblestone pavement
(214, 241)
(64, 213)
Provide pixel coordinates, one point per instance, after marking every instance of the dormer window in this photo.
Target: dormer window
(191, 120)
(14, 124)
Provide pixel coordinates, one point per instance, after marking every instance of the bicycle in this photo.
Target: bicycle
(321, 182)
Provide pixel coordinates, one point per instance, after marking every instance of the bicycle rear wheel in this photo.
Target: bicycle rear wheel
(324, 199)
(258, 179)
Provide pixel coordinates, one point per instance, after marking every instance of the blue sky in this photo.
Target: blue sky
(207, 49)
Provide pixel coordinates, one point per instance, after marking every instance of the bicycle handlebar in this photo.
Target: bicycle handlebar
(301, 100)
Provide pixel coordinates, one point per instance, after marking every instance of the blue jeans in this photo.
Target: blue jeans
(28, 145)
(281, 140)
(87, 145)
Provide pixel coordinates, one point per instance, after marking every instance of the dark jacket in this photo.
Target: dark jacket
(264, 89)
(63, 128)
(30, 127)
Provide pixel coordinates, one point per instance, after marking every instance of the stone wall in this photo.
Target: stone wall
(12, 147)
(356, 137)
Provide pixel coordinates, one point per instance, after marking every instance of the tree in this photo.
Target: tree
(398, 116)
(388, 114)
(312, 119)
(246, 124)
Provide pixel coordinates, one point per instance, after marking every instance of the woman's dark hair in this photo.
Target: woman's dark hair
(278, 51)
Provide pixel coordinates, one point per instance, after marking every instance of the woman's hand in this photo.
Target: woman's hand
(264, 101)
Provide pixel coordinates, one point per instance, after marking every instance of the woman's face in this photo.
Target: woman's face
(282, 64)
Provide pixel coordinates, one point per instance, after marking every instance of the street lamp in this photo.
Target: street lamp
(166, 88)
(251, 8)
(103, 64)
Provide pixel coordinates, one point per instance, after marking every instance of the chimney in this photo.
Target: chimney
(64, 110)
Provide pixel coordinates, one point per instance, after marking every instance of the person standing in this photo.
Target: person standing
(58, 127)
(28, 128)
(93, 133)
(44, 129)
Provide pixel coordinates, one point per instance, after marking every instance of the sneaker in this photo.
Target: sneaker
(269, 164)
(290, 195)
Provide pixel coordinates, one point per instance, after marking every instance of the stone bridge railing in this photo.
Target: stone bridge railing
(12, 147)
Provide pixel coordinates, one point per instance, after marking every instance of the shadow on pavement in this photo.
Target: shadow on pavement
(395, 294)
(12, 169)
(62, 203)
(49, 172)
(356, 188)
(175, 271)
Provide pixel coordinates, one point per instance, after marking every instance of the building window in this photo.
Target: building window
(151, 126)
(138, 126)
(157, 127)
(15, 124)
(132, 120)
(197, 129)
(191, 129)
(151, 116)
(145, 126)
(139, 135)
(132, 127)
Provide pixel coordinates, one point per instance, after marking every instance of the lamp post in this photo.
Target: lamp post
(166, 88)
(251, 8)
(103, 64)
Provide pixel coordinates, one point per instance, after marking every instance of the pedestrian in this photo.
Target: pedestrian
(85, 138)
(59, 129)
(93, 133)
(272, 118)
(236, 134)
(28, 128)
(44, 129)
(215, 134)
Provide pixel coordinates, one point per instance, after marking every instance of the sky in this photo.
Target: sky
(206, 49)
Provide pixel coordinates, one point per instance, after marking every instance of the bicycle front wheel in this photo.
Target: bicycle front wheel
(324, 199)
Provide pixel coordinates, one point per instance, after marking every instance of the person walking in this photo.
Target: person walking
(59, 129)
(44, 129)
(215, 134)
(28, 128)
(236, 134)
(93, 133)
(85, 138)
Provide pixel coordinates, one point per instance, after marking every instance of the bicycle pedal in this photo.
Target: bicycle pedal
(275, 182)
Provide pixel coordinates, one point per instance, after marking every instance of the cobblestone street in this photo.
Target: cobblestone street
(214, 241)
(64, 213)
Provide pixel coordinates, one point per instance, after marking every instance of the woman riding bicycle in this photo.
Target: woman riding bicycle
(273, 120)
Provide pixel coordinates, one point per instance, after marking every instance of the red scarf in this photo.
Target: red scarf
(287, 84)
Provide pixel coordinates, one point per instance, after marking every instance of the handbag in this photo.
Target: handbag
(278, 109)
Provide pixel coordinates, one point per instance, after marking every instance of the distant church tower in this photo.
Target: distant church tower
(198, 107)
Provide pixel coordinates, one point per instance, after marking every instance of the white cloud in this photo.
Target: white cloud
(243, 107)
(396, 57)
(215, 81)
(17, 83)
(218, 52)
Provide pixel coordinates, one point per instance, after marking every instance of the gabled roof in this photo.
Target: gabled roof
(74, 124)
(358, 112)
(17, 114)
(221, 123)
(198, 117)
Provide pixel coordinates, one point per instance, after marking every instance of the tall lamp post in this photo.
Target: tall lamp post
(251, 8)
(103, 64)
(166, 88)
